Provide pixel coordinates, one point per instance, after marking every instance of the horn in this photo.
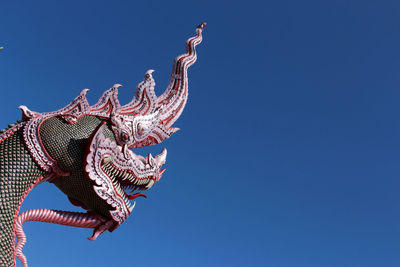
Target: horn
(174, 98)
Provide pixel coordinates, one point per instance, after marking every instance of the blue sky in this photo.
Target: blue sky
(289, 148)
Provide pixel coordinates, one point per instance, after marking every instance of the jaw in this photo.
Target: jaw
(117, 173)
(141, 174)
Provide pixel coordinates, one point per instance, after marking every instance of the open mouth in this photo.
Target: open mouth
(119, 174)
(146, 173)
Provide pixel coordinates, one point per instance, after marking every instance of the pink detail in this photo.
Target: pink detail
(156, 113)
(136, 195)
(108, 103)
(175, 97)
(35, 183)
(99, 147)
(139, 168)
(11, 130)
(76, 219)
(144, 100)
(70, 113)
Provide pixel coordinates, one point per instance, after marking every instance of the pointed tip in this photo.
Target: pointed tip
(173, 130)
(84, 92)
(149, 73)
(117, 85)
(201, 26)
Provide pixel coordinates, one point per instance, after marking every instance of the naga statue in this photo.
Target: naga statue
(86, 152)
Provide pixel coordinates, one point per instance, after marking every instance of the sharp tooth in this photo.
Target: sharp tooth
(119, 189)
(131, 208)
(106, 167)
(150, 184)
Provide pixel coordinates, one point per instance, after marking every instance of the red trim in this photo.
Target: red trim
(35, 183)
(106, 108)
(87, 151)
(55, 167)
(129, 111)
(10, 131)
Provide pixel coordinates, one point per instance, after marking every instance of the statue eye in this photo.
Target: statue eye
(125, 136)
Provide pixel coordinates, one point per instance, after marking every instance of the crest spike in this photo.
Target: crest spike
(175, 96)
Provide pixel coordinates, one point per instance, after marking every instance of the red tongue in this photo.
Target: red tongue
(136, 195)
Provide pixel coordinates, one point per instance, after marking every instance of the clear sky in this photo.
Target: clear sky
(288, 153)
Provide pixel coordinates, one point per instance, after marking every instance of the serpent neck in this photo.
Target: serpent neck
(18, 172)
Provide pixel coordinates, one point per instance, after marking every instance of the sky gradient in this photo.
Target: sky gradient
(288, 153)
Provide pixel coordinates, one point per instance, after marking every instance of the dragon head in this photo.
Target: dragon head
(87, 149)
